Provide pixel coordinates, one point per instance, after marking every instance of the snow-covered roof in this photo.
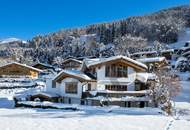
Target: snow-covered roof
(43, 64)
(143, 77)
(23, 65)
(90, 63)
(186, 53)
(73, 73)
(48, 94)
(168, 50)
(144, 52)
(154, 59)
(72, 59)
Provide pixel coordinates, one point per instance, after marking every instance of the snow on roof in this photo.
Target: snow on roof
(89, 61)
(186, 53)
(24, 65)
(72, 59)
(143, 77)
(168, 50)
(154, 59)
(104, 60)
(76, 73)
(48, 94)
(44, 64)
(144, 52)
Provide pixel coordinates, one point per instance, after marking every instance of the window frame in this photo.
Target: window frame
(70, 89)
(116, 87)
(116, 71)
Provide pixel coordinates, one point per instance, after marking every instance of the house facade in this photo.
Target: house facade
(13, 75)
(154, 63)
(15, 69)
(151, 54)
(71, 63)
(117, 80)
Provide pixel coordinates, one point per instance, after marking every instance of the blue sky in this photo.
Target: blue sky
(27, 18)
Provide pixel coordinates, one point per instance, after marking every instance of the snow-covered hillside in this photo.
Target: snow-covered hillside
(9, 40)
(182, 39)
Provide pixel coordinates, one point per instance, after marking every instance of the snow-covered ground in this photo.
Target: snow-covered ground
(29, 119)
(182, 39)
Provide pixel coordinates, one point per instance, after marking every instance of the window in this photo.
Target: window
(119, 71)
(89, 87)
(71, 87)
(116, 71)
(116, 87)
(53, 84)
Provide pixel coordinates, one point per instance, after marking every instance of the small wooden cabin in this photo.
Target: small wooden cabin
(18, 70)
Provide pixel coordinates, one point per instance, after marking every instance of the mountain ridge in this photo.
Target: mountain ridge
(11, 39)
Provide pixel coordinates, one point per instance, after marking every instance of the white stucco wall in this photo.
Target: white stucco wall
(62, 88)
(93, 86)
(102, 80)
(48, 80)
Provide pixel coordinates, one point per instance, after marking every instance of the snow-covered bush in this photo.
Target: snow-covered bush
(167, 86)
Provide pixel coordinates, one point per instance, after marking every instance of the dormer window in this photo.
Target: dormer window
(116, 70)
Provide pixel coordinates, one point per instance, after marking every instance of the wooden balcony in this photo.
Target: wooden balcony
(117, 94)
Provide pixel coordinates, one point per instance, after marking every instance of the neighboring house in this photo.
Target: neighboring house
(144, 54)
(48, 74)
(18, 75)
(15, 69)
(151, 54)
(167, 54)
(154, 63)
(43, 66)
(117, 80)
(71, 63)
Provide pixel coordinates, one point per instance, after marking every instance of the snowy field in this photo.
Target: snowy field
(40, 119)
(97, 118)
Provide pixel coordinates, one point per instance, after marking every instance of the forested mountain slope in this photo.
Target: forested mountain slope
(105, 39)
